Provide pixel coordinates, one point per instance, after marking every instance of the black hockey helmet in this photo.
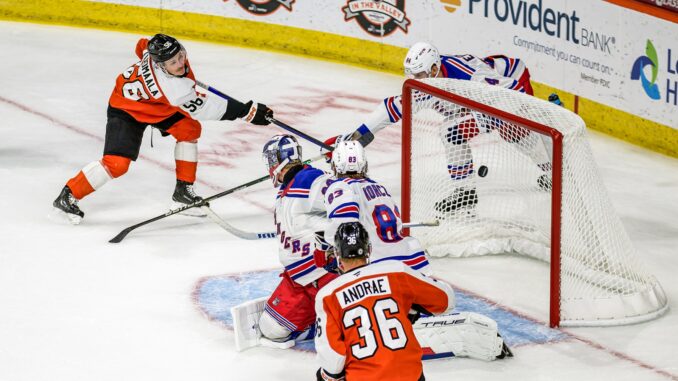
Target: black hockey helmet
(162, 47)
(352, 241)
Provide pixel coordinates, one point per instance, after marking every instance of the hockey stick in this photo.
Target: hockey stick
(233, 230)
(266, 235)
(271, 119)
(204, 202)
(198, 204)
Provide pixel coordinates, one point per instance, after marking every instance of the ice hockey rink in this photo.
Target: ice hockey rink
(75, 307)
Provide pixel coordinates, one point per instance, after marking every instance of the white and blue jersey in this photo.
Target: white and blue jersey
(366, 201)
(498, 70)
(299, 213)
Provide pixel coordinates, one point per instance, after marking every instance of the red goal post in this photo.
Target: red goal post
(631, 284)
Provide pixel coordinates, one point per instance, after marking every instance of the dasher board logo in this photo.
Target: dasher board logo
(377, 17)
(638, 71)
(265, 7)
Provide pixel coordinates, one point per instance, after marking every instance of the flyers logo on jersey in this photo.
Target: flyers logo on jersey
(377, 17)
(363, 289)
(265, 7)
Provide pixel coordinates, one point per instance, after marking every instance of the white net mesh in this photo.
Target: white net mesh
(488, 181)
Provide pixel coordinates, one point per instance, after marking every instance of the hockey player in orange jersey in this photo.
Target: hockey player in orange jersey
(159, 90)
(364, 329)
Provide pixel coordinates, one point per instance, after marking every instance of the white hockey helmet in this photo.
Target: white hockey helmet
(349, 157)
(419, 60)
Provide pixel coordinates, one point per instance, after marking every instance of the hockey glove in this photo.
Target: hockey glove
(555, 99)
(323, 375)
(323, 255)
(257, 113)
(333, 141)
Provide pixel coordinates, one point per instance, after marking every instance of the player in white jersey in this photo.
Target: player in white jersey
(424, 61)
(299, 213)
(355, 197)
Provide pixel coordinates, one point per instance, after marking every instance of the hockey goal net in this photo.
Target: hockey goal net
(505, 172)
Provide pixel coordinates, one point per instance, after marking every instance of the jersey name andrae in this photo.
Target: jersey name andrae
(361, 290)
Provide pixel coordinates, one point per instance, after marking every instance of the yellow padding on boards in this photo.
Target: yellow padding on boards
(328, 46)
(205, 27)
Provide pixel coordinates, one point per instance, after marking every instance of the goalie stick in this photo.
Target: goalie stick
(271, 119)
(204, 202)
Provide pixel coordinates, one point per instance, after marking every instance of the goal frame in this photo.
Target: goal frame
(556, 136)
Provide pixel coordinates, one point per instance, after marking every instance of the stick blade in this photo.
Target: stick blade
(120, 236)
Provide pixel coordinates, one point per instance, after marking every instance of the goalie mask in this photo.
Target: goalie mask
(419, 60)
(352, 241)
(280, 151)
(348, 157)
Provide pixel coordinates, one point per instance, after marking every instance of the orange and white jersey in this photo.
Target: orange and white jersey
(150, 95)
(362, 321)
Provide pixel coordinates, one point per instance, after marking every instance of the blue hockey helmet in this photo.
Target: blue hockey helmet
(278, 152)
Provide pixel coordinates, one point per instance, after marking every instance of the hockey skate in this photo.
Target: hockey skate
(68, 205)
(505, 351)
(461, 202)
(185, 195)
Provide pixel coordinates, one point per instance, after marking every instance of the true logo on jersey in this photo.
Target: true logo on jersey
(377, 17)
(363, 289)
(264, 7)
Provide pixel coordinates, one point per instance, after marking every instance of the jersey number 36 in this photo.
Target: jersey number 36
(382, 330)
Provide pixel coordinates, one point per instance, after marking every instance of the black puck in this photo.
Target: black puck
(482, 171)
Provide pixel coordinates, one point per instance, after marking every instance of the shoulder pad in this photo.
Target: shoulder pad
(305, 178)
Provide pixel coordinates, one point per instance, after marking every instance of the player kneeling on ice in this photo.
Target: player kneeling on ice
(159, 90)
(353, 196)
(288, 314)
(424, 61)
(364, 328)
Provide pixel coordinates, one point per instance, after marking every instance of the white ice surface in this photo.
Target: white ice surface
(74, 307)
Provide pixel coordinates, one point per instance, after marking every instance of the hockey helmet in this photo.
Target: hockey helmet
(162, 47)
(349, 157)
(419, 59)
(279, 151)
(352, 241)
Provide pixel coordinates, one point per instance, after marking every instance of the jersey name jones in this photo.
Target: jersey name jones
(364, 289)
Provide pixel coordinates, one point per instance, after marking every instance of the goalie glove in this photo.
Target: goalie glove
(257, 113)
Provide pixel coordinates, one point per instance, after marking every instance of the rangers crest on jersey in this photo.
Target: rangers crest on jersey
(264, 7)
(377, 17)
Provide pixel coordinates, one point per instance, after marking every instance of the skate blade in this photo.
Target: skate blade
(70, 218)
(193, 212)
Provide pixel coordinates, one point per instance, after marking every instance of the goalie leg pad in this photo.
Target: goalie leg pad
(464, 334)
(254, 326)
(246, 318)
